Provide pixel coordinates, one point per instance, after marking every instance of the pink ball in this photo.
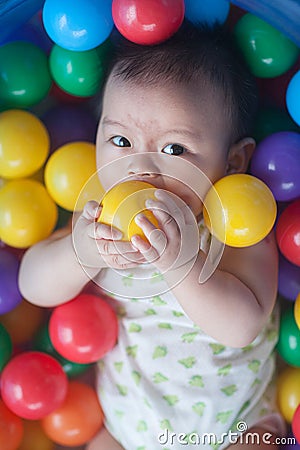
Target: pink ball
(288, 232)
(148, 22)
(84, 329)
(33, 384)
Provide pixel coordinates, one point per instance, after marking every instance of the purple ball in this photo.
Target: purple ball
(288, 445)
(288, 279)
(66, 123)
(10, 295)
(276, 161)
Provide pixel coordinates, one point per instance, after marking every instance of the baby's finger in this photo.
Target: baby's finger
(108, 247)
(103, 231)
(156, 237)
(147, 250)
(91, 210)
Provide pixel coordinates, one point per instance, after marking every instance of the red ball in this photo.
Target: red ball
(147, 22)
(84, 329)
(288, 232)
(296, 424)
(33, 384)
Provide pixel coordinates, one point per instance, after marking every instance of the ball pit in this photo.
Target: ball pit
(76, 65)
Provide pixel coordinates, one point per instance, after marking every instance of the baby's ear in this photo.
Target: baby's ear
(239, 156)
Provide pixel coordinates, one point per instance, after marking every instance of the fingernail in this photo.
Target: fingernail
(138, 218)
(117, 234)
(149, 203)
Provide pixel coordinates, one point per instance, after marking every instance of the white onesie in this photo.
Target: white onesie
(166, 385)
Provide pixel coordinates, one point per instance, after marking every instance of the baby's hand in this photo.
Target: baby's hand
(98, 245)
(176, 242)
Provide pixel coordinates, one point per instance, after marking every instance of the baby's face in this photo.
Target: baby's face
(170, 136)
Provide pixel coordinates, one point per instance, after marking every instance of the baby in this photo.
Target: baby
(194, 360)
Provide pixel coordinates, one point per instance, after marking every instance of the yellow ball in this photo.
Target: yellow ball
(288, 392)
(71, 175)
(239, 210)
(27, 213)
(24, 144)
(123, 202)
(297, 310)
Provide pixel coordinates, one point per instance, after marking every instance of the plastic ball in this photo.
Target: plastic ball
(239, 210)
(33, 385)
(288, 392)
(272, 120)
(79, 418)
(288, 279)
(288, 443)
(67, 175)
(123, 202)
(276, 161)
(77, 73)
(42, 343)
(23, 322)
(5, 347)
(24, 75)
(10, 295)
(11, 429)
(84, 329)
(296, 424)
(208, 11)
(24, 144)
(78, 26)
(292, 97)
(148, 22)
(288, 232)
(34, 437)
(269, 52)
(27, 213)
(67, 123)
(288, 344)
(297, 310)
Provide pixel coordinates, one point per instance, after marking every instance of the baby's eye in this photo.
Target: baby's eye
(174, 149)
(120, 141)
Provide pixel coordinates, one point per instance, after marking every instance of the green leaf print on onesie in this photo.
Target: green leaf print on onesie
(189, 362)
(160, 352)
(217, 348)
(171, 399)
(225, 370)
(158, 301)
(159, 378)
(229, 390)
(197, 381)
(135, 328)
(189, 337)
(199, 408)
(254, 365)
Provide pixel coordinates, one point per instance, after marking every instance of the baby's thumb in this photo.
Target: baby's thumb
(91, 210)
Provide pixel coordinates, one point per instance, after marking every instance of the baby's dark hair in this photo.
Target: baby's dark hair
(208, 55)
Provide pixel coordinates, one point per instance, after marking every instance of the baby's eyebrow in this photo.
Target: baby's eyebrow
(185, 133)
(107, 121)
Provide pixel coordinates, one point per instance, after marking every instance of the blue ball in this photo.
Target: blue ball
(292, 98)
(78, 25)
(209, 11)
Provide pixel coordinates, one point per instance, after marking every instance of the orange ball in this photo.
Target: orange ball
(22, 322)
(78, 420)
(11, 429)
(34, 437)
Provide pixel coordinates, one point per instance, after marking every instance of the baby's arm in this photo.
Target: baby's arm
(233, 305)
(56, 270)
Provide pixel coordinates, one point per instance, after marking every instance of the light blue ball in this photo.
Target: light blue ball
(293, 98)
(78, 25)
(209, 11)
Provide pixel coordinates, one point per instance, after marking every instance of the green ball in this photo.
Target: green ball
(42, 343)
(272, 120)
(5, 347)
(78, 73)
(25, 78)
(269, 52)
(288, 345)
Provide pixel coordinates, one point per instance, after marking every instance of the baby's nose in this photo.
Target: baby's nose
(143, 165)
